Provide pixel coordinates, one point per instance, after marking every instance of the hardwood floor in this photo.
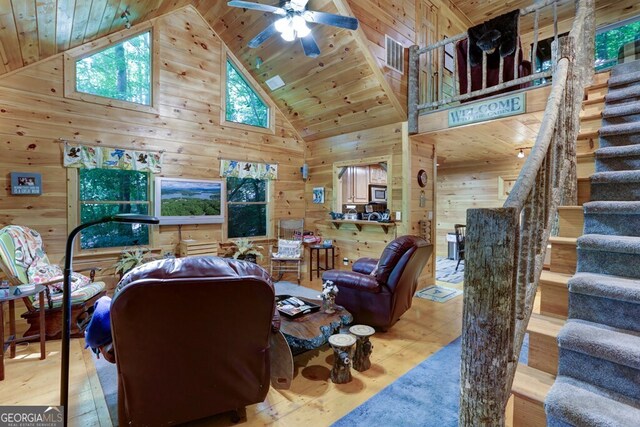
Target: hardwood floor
(313, 399)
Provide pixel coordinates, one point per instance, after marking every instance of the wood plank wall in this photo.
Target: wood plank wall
(468, 186)
(386, 140)
(401, 20)
(34, 114)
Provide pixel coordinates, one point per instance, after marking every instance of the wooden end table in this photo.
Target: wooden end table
(315, 249)
(9, 296)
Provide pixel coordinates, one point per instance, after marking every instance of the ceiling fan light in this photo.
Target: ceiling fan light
(298, 23)
(288, 35)
(303, 31)
(282, 24)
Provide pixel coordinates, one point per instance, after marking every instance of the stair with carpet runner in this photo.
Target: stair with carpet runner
(533, 381)
(598, 379)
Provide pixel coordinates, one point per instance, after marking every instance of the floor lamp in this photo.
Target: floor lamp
(66, 297)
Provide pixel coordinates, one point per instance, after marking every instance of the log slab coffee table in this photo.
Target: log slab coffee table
(304, 333)
(313, 330)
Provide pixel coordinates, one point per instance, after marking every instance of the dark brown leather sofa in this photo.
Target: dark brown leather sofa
(191, 338)
(378, 298)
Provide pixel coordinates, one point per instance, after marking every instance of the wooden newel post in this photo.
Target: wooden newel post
(488, 314)
(342, 345)
(414, 89)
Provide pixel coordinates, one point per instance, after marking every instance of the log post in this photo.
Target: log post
(414, 89)
(569, 122)
(488, 314)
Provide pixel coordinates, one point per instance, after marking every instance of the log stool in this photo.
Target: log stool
(342, 345)
(364, 348)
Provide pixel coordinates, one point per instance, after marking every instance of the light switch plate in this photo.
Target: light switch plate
(430, 215)
(398, 216)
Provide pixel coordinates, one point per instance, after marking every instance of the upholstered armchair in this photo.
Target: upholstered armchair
(191, 338)
(378, 292)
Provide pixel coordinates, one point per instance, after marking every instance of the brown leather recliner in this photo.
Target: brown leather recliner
(191, 337)
(378, 297)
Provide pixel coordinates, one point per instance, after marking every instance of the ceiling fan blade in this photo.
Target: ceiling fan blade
(310, 46)
(331, 19)
(263, 36)
(257, 6)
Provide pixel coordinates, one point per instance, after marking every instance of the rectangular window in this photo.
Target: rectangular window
(611, 39)
(121, 72)
(246, 207)
(243, 104)
(106, 192)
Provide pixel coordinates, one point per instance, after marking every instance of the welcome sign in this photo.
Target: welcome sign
(506, 106)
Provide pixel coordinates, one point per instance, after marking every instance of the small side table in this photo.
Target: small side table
(315, 249)
(9, 296)
(364, 347)
(342, 345)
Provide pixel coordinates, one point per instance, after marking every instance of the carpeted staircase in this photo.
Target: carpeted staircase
(598, 381)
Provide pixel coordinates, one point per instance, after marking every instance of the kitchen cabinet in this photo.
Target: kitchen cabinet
(377, 175)
(355, 185)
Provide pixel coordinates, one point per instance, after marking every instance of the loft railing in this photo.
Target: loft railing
(427, 86)
(505, 247)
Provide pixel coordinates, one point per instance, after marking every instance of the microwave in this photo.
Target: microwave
(378, 194)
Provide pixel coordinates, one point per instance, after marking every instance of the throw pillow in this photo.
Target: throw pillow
(289, 248)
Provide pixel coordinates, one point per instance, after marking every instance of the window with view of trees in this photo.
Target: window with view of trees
(243, 104)
(610, 39)
(246, 207)
(106, 192)
(122, 71)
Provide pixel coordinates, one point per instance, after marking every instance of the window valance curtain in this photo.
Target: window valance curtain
(253, 170)
(91, 157)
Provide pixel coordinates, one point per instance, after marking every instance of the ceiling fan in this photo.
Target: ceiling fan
(293, 22)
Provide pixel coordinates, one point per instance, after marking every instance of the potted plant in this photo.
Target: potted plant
(131, 258)
(247, 250)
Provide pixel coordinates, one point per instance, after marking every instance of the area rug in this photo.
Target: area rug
(446, 270)
(427, 396)
(438, 293)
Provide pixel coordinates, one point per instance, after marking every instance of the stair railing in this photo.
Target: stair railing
(505, 247)
(425, 94)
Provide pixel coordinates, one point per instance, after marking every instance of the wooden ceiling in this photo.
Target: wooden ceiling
(337, 92)
(607, 11)
(342, 90)
(31, 30)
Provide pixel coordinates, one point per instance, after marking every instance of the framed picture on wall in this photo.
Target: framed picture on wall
(318, 195)
(26, 183)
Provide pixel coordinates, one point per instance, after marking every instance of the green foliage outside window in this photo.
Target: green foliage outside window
(106, 192)
(243, 104)
(608, 43)
(122, 71)
(246, 207)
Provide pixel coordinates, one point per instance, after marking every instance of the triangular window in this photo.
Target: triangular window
(243, 104)
(122, 71)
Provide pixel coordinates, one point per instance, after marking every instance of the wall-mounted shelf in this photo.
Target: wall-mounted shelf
(359, 223)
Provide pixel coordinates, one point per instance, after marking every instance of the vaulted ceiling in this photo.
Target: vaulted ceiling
(341, 90)
(344, 89)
